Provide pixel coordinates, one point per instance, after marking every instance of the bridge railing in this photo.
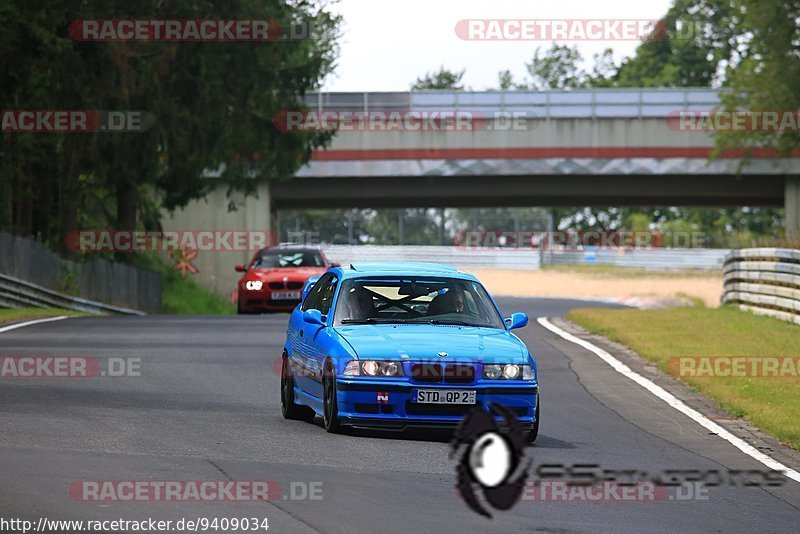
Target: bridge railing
(765, 281)
(557, 104)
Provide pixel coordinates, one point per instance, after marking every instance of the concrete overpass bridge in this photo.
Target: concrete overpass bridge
(610, 147)
(588, 147)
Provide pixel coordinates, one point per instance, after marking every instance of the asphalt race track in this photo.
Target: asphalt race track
(206, 407)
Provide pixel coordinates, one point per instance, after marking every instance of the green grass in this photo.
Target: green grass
(771, 403)
(614, 271)
(183, 295)
(25, 314)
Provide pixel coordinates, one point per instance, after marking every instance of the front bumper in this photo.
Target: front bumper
(384, 404)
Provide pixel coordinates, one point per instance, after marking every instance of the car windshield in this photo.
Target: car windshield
(416, 300)
(287, 258)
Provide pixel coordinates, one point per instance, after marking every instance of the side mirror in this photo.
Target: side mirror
(336, 264)
(241, 268)
(517, 320)
(313, 316)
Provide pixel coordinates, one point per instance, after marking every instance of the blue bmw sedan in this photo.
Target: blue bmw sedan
(398, 345)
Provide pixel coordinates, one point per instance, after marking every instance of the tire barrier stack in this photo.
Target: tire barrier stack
(765, 281)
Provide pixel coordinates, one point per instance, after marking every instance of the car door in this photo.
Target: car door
(311, 343)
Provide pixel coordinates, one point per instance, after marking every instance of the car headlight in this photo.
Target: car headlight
(254, 285)
(492, 371)
(508, 371)
(374, 368)
(511, 371)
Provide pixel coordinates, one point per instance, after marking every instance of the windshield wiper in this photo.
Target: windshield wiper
(368, 320)
(450, 321)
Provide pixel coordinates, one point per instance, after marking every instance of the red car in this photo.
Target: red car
(274, 279)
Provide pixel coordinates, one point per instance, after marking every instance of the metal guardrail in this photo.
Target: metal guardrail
(658, 258)
(115, 284)
(460, 257)
(557, 104)
(765, 281)
(533, 258)
(16, 293)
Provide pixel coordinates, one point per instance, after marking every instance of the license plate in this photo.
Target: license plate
(445, 396)
(285, 295)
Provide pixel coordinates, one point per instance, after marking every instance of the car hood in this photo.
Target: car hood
(424, 342)
(279, 273)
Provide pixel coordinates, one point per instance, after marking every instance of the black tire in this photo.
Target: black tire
(239, 309)
(289, 409)
(330, 418)
(534, 433)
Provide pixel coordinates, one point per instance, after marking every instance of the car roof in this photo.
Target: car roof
(410, 268)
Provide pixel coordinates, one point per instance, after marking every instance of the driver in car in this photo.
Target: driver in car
(450, 302)
(359, 304)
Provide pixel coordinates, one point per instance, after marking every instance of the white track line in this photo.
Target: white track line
(670, 399)
(28, 323)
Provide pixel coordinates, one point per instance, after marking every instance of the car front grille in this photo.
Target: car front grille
(453, 373)
(425, 372)
(459, 374)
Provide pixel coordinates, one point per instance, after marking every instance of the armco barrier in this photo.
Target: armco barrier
(112, 286)
(656, 258)
(16, 293)
(765, 281)
(659, 258)
(460, 257)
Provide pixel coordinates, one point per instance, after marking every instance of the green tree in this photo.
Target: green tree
(684, 50)
(213, 105)
(420, 226)
(441, 79)
(556, 68)
(764, 72)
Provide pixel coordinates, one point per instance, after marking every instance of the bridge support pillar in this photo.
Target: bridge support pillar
(791, 214)
(216, 267)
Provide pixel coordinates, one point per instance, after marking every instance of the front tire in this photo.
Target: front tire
(534, 433)
(330, 412)
(289, 408)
